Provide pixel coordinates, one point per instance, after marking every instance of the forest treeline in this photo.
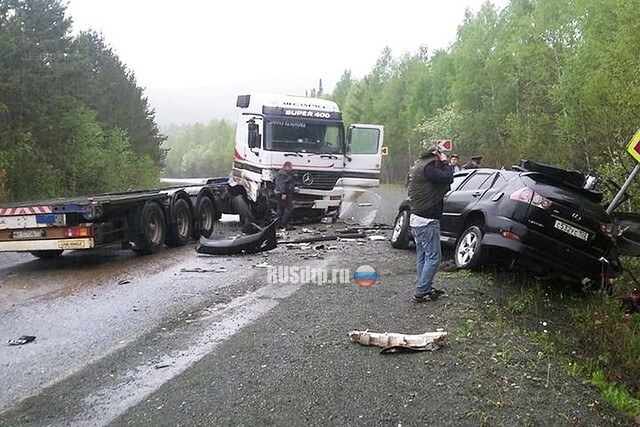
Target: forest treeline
(200, 151)
(550, 80)
(72, 118)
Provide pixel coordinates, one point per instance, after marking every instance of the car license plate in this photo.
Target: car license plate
(27, 234)
(575, 232)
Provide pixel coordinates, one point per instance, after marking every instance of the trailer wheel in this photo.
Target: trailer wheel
(206, 214)
(151, 230)
(181, 228)
(47, 254)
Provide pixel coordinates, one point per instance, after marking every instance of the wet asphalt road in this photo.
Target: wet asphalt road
(113, 327)
(127, 340)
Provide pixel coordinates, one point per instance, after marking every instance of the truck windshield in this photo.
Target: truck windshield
(305, 136)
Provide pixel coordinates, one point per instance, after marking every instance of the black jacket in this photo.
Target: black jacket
(430, 181)
(284, 182)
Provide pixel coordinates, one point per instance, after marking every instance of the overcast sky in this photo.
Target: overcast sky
(186, 53)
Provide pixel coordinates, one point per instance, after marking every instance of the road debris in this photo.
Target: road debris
(24, 339)
(326, 238)
(124, 282)
(263, 240)
(394, 342)
(263, 265)
(377, 237)
(203, 270)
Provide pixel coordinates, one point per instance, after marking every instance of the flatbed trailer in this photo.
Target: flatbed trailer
(143, 220)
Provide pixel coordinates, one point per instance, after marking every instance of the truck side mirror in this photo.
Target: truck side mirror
(254, 135)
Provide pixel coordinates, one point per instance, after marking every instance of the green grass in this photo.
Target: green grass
(596, 341)
(616, 394)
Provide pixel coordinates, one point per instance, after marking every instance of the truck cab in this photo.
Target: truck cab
(329, 161)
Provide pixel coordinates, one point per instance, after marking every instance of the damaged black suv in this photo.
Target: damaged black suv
(540, 216)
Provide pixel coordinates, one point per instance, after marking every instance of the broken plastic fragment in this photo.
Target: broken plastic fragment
(24, 339)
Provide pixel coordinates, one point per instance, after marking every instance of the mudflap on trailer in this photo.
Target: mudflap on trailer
(264, 240)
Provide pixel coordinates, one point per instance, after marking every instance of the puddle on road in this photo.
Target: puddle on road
(134, 385)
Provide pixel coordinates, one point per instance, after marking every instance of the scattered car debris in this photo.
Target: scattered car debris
(262, 265)
(124, 282)
(326, 238)
(203, 270)
(394, 342)
(24, 339)
(631, 303)
(263, 240)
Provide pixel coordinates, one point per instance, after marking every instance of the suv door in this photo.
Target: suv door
(469, 193)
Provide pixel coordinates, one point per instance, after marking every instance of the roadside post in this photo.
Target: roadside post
(634, 149)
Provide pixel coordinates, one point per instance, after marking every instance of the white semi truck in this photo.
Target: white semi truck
(330, 162)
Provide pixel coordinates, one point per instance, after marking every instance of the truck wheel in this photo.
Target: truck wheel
(401, 234)
(469, 253)
(181, 228)
(241, 206)
(206, 214)
(47, 254)
(151, 230)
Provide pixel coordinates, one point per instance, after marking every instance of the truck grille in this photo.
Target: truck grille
(317, 180)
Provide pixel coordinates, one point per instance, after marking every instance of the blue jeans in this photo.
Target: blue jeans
(428, 255)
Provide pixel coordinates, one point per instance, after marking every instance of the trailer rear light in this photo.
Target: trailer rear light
(511, 236)
(527, 195)
(335, 197)
(78, 232)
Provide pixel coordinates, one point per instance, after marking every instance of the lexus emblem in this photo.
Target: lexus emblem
(307, 179)
(576, 216)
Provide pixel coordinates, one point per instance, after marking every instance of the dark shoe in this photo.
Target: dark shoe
(438, 291)
(425, 298)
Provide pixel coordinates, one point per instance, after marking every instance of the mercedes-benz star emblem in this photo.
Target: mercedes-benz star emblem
(307, 179)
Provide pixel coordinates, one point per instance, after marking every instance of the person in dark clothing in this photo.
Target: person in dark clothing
(285, 186)
(474, 163)
(431, 178)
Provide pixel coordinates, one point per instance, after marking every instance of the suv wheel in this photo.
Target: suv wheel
(400, 236)
(468, 253)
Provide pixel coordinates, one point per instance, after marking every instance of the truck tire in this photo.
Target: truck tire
(206, 214)
(151, 230)
(47, 254)
(401, 234)
(182, 225)
(240, 205)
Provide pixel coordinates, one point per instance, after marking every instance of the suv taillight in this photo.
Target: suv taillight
(527, 195)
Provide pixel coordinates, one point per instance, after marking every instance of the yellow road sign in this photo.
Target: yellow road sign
(634, 147)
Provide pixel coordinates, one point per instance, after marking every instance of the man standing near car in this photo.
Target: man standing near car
(453, 161)
(285, 186)
(474, 163)
(430, 180)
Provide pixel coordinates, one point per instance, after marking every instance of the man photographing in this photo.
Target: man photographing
(430, 180)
